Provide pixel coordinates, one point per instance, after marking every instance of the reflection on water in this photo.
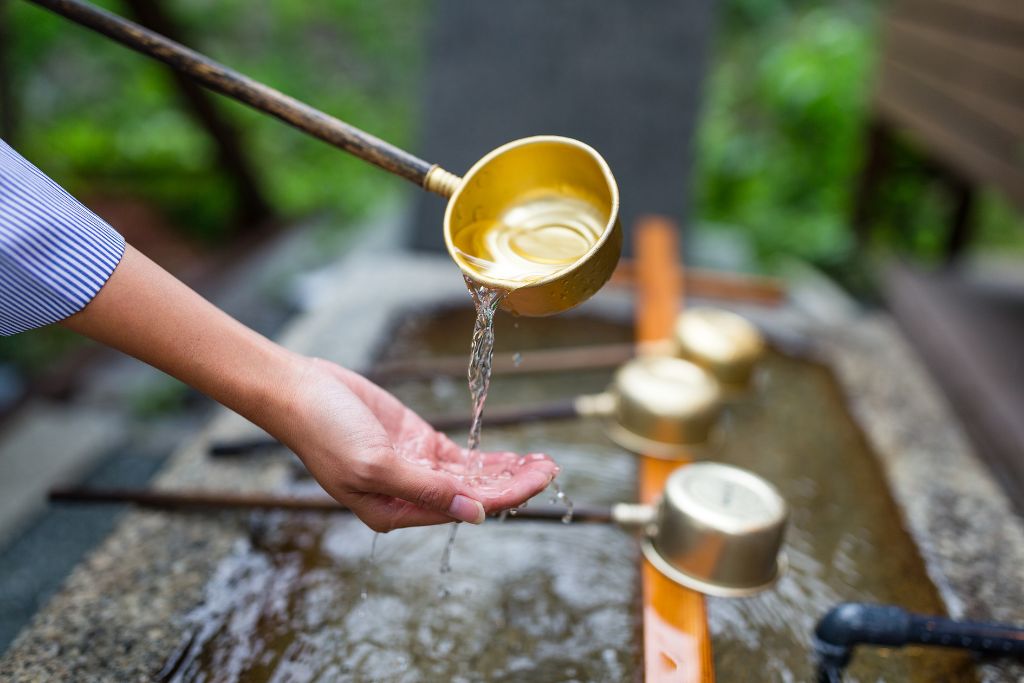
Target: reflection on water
(531, 240)
(548, 602)
(526, 602)
(845, 542)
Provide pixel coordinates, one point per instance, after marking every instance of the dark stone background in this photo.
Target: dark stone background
(624, 77)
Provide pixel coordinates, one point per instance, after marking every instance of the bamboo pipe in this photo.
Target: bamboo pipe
(623, 513)
(235, 85)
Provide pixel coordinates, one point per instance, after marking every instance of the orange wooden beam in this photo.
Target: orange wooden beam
(677, 645)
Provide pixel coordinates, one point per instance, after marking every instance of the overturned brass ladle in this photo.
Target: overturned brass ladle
(716, 529)
(522, 173)
(660, 406)
(726, 344)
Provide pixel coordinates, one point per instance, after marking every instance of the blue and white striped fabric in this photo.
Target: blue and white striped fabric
(55, 254)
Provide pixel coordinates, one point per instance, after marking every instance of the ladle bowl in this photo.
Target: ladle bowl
(726, 344)
(717, 529)
(537, 218)
(663, 406)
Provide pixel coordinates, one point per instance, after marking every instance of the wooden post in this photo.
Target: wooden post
(677, 645)
(962, 193)
(875, 165)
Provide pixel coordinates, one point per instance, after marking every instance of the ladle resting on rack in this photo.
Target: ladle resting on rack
(536, 218)
(717, 529)
(719, 340)
(657, 405)
(723, 344)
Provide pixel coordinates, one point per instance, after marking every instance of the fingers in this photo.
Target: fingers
(527, 480)
(428, 490)
(383, 514)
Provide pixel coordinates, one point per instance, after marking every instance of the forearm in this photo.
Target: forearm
(147, 313)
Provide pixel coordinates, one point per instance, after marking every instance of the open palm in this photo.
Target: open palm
(383, 461)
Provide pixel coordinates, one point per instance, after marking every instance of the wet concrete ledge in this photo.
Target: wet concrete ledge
(119, 614)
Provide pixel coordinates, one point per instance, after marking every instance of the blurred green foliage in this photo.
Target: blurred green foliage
(778, 149)
(779, 141)
(104, 120)
(782, 138)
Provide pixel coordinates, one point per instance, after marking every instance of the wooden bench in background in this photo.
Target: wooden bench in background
(950, 82)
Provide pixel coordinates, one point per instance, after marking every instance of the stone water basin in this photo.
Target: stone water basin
(304, 600)
(223, 597)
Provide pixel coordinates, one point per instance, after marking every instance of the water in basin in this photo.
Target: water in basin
(531, 601)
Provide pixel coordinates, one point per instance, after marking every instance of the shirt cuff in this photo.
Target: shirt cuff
(55, 254)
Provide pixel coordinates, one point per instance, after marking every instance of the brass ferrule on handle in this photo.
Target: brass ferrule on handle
(440, 181)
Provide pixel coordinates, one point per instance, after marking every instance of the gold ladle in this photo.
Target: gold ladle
(660, 406)
(537, 218)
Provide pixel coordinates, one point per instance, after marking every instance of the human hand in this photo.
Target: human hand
(385, 463)
(366, 449)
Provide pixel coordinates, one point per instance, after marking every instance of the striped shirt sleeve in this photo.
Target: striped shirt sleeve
(55, 254)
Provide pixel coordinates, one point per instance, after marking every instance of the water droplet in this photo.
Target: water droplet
(446, 556)
(564, 499)
(517, 359)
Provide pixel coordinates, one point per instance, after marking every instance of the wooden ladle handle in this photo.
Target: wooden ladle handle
(229, 82)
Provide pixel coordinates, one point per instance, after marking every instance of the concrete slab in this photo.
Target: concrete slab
(47, 444)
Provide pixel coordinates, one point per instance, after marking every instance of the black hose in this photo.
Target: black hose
(850, 624)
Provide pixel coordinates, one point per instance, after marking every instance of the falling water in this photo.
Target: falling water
(446, 561)
(481, 357)
(365, 593)
(560, 497)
